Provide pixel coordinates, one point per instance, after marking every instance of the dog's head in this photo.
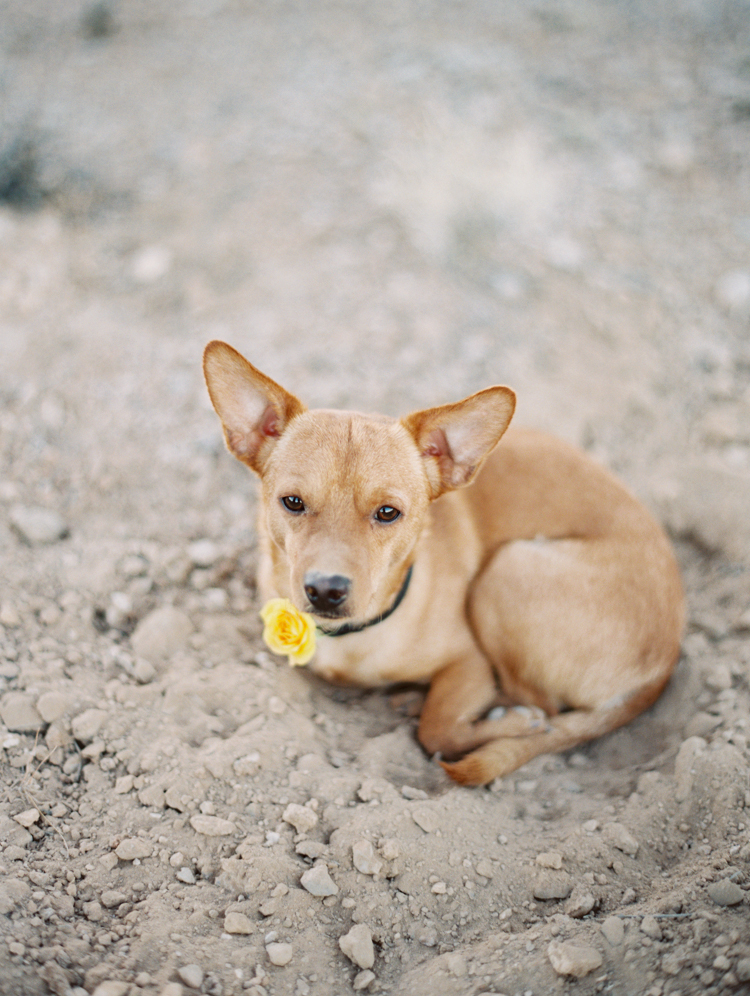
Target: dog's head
(344, 495)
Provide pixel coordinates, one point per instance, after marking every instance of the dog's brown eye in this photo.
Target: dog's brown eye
(292, 503)
(387, 513)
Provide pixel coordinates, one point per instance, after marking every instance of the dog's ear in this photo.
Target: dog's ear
(454, 440)
(253, 409)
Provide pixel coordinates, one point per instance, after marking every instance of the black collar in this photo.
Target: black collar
(358, 627)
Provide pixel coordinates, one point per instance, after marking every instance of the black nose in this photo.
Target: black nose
(326, 593)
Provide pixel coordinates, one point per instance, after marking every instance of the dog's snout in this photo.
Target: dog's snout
(326, 593)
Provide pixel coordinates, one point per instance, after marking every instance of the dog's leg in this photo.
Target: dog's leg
(458, 695)
(501, 756)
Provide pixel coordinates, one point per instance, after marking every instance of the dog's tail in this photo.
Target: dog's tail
(500, 757)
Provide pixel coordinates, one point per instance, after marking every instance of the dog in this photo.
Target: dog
(521, 575)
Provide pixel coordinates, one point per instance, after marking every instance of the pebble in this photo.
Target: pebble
(19, 714)
(143, 671)
(302, 818)
(684, 775)
(581, 903)
(725, 893)
(279, 954)
(191, 975)
(38, 526)
(112, 987)
(186, 875)
(553, 885)
(318, 882)
(87, 724)
(365, 859)
(160, 634)
(358, 947)
(133, 847)
(9, 616)
(621, 838)
(203, 553)
(111, 898)
(53, 705)
(124, 784)
(548, 859)
(237, 923)
(577, 960)
(362, 980)
(27, 818)
(743, 970)
(614, 931)
(212, 826)
(425, 818)
(650, 927)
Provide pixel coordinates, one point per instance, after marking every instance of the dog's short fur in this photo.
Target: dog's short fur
(537, 580)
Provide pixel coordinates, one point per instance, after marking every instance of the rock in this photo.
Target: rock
(621, 838)
(549, 859)
(553, 885)
(87, 724)
(212, 826)
(27, 818)
(9, 616)
(426, 818)
(191, 975)
(160, 634)
(186, 875)
(365, 859)
(112, 987)
(358, 947)
(743, 970)
(701, 724)
(279, 954)
(19, 714)
(93, 911)
(690, 749)
(651, 928)
(133, 847)
(124, 784)
(318, 882)
(37, 526)
(237, 923)
(111, 898)
(13, 894)
(11, 833)
(581, 902)
(143, 671)
(203, 553)
(577, 960)
(362, 980)
(53, 705)
(725, 892)
(302, 818)
(614, 931)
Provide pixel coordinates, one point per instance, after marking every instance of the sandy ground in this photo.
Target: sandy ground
(384, 206)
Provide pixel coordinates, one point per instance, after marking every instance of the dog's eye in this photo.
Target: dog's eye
(293, 504)
(387, 513)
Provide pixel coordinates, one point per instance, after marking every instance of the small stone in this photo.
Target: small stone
(302, 818)
(171, 989)
(160, 634)
(186, 875)
(10, 618)
(742, 970)
(237, 923)
(318, 882)
(553, 885)
(124, 784)
(279, 954)
(112, 987)
(358, 947)
(456, 964)
(19, 714)
(591, 826)
(439, 888)
(671, 963)
(568, 958)
(690, 749)
(53, 705)
(191, 975)
(391, 849)
(133, 847)
(212, 826)
(110, 898)
(362, 980)
(93, 911)
(614, 931)
(621, 838)
(725, 893)
(143, 671)
(365, 859)
(581, 902)
(87, 724)
(549, 859)
(37, 526)
(203, 553)
(650, 927)
(426, 818)
(152, 796)
(27, 818)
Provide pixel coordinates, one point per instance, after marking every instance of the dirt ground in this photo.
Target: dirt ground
(384, 206)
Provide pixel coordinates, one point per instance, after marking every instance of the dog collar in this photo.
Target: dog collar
(358, 627)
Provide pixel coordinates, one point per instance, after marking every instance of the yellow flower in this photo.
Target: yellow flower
(287, 631)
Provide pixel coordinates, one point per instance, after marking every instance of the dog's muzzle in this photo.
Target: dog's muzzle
(327, 593)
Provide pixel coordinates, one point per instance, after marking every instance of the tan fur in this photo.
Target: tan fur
(537, 578)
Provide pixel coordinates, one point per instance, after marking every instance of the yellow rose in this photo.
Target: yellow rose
(287, 631)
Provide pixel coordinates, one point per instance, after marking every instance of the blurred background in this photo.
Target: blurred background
(383, 205)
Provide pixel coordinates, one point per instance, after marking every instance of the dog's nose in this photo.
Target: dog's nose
(326, 593)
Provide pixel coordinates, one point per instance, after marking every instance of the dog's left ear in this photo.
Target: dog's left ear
(254, 410)
(454, 440)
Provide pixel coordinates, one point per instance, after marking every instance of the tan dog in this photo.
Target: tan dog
(543, 583)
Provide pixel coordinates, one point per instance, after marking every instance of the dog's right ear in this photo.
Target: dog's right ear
(253, 409)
